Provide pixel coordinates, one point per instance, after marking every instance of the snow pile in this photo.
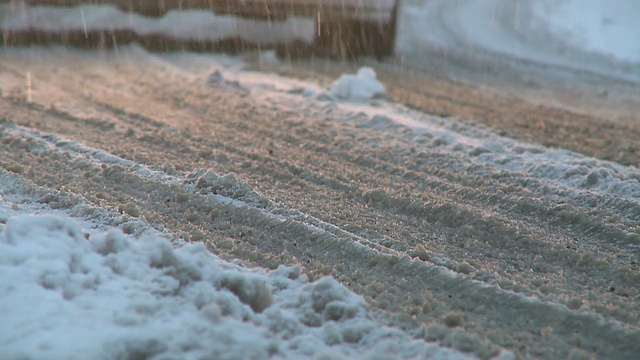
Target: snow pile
(113, 297)
(609, 28)
(362, 86)
(592, 35)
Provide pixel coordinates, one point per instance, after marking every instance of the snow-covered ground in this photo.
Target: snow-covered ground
(609, 29)
(75, 287)
(580, 35)
(78, 288)
(73, 292)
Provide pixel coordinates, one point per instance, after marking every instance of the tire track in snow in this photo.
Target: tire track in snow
(355, 184)
(437, 210)
(271, 134)
(321, 238)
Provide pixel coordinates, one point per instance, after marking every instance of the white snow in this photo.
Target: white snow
(556, 167)
(112, 296)
(599, 37)
(77, 288)
(610, 27)
(362, 86)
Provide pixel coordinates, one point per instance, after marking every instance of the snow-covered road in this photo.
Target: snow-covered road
(433, 221)
(445, 238)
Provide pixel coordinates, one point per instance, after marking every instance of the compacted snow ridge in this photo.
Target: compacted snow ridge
(180, 205)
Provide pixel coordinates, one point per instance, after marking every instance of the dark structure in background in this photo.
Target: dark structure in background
(344, 29)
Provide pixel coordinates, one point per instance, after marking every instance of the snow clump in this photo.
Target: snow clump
(362, 86)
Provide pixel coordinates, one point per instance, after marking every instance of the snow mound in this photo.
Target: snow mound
(606, 28)
(362, 86)
(65, 297)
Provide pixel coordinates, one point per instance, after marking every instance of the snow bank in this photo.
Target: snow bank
(591, 35)
(66, 297)
(610, 28)
(559, 168)
(362, 86)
